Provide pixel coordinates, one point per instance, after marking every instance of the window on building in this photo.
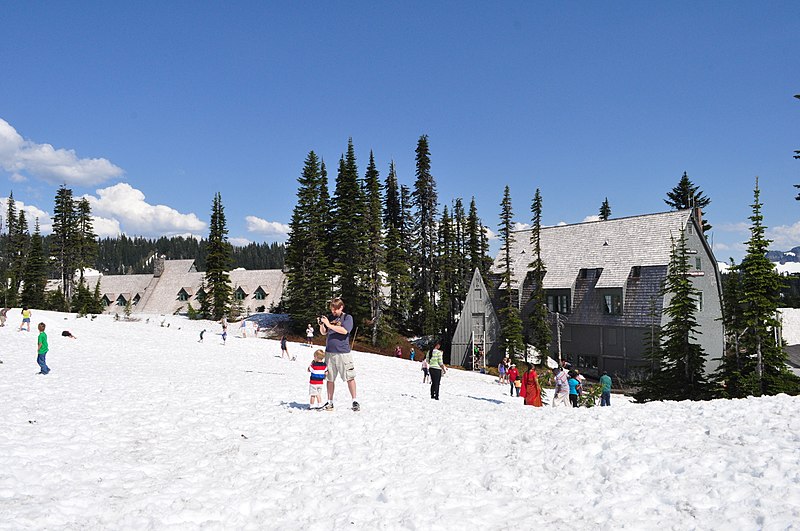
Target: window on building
(698, 264)
(636, 271)
(587, 362)
(183, 296)
(239, 294)
(259, 295)
(700, 301)
(477, 294)
(558, 302)
(136, 300)
(612, 304)
(121, 301)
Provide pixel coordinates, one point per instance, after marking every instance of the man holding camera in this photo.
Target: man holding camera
(337, 351)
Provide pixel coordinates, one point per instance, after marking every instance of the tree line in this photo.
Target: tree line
(401, 262)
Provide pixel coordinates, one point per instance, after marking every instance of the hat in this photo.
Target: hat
(513, 365)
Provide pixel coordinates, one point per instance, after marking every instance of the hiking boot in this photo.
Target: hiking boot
(327, 407)
(356, 407)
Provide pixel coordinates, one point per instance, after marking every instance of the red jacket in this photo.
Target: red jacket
(513, 374)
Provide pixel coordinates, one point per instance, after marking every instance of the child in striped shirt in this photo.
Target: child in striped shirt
(318, 368)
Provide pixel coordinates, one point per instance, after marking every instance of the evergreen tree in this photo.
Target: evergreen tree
(448, 278)
(86, 239)
(397, 268)
(729, 373)
(35, 275)
(687, 195)
(680, 375)
(425, 201)
(462, 272)
(308, 271)
(540, 330)
(65, 235)
(349, 237)
(218, 262)
(476, 242)
(510, 321)
(375, 249)
(605, 210)
(764, 369)
(19, 241)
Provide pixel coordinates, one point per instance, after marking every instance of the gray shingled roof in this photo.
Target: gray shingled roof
(615, 246)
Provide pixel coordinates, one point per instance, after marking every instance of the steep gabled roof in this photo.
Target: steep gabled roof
(615, 246)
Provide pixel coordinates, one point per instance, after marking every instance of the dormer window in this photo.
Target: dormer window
(183, 296)
(239, 294)
(260, 294)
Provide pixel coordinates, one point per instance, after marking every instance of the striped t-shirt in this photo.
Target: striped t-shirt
(317, 372)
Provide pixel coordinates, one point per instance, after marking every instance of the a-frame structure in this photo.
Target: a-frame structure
(478, 327)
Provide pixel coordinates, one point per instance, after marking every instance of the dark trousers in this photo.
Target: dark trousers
(514, 388)
(436, 379)
(574, 400)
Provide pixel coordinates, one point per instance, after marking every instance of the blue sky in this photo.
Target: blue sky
(149, 108)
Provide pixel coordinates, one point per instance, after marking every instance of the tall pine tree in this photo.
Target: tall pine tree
(375, 248)
(605, 210)
(218, 262)
(680, 375)
(687, 195)
(540, 330)
(35, 275)
(397, 268)
(425, 201)
(64, 240)
(308, 268)
(510, 321)
(764, 369)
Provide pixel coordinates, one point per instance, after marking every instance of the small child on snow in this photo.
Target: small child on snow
(317, 368)
(41, 350)
(203, 331)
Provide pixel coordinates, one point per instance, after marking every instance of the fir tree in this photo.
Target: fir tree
(64, 237)
(425, 200)
(448, 278)
(19, 241)
(687, 195)
(86, 250)
(510, 321)
(680, 375)
(349, 237)
(375, 249)
(540, 330)
(218, 262)
(476, 243)
(605, 210)
(729, 373)
(35, 275)
(764, 369)
(397, 269)
(308, 272)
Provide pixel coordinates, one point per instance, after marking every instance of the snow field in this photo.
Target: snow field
(139, 426)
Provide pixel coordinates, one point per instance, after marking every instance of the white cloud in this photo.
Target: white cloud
(105, 227)
(17, 178)
(43, 161)
(521, 226)
(490, 235)
(239, 242)
(136, 216)
(592, 217)
(784, 237)
(31, 213)
(740, 227)
(269, 228)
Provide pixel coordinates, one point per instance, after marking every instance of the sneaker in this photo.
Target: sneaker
(356, 407)
(327, 407)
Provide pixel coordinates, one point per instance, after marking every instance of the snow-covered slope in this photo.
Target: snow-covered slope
(139, 426)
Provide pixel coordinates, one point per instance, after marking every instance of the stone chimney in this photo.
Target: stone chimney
(158, 265)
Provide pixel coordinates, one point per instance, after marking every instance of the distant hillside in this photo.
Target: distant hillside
(784, 256)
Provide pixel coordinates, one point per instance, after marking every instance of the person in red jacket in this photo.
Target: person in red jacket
(531, 389)
(513, 375)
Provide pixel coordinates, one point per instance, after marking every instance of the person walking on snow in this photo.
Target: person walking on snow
(574, 388)
(605, 395)
(425, 369)
(561, 393)
(338, 358)
(513, 375)
(284, 350)
(26, 319)
(531, 390)
(309, 334)
(317, 368)
(437, 368)
(41, 350)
